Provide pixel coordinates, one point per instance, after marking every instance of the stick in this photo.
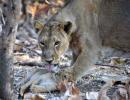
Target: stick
(108, 65)
(29, 64)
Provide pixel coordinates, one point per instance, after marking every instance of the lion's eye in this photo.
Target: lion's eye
(42, 43)
(57, 43)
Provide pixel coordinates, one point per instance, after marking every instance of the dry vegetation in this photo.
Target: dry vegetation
(114, 70)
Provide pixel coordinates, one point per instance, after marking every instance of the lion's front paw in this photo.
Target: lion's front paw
(22, 90)
(33, 88)
(37, 88)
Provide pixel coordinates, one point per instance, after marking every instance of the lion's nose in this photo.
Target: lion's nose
(49, 61)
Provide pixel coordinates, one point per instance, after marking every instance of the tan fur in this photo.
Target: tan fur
(98, 24)
(80, 42)
(95, 24)
(51, 34)
(41, 82)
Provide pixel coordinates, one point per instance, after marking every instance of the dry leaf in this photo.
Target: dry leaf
(61, 86)
(60, 2)
(70, 90)
(30, 96)
(36, 97)
(32, 9)
(36, 8)
(75, 90)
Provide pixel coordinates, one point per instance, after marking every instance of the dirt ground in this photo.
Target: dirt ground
(27, 59)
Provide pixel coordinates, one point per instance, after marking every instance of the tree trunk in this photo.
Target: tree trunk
(7, 37)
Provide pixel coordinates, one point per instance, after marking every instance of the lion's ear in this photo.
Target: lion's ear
(68, 27)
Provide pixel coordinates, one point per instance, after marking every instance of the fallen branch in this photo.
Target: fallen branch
(29, 49)
(113, 66)
(29, 64)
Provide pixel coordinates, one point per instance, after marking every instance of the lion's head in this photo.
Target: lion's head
(54, 41)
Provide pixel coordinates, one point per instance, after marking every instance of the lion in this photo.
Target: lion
(89, 28)
(54, 41)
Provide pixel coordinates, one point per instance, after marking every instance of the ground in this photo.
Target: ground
(27, 58)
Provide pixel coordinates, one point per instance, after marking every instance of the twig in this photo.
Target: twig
(30, 30)
(29, 64)
(113, 66)
(33, 51)
(109, 66)
(2, 17)
(46, 1)
(30, 49)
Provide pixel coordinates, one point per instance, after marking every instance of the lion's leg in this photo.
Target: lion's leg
(41, 89)
(45, 83)
(24, 87)
(32, 80)
(79, 68)
(37, 89)
(83, 63)
(44, 86)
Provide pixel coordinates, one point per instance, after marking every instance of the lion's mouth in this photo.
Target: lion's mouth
(52, 68)
(64, 61)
